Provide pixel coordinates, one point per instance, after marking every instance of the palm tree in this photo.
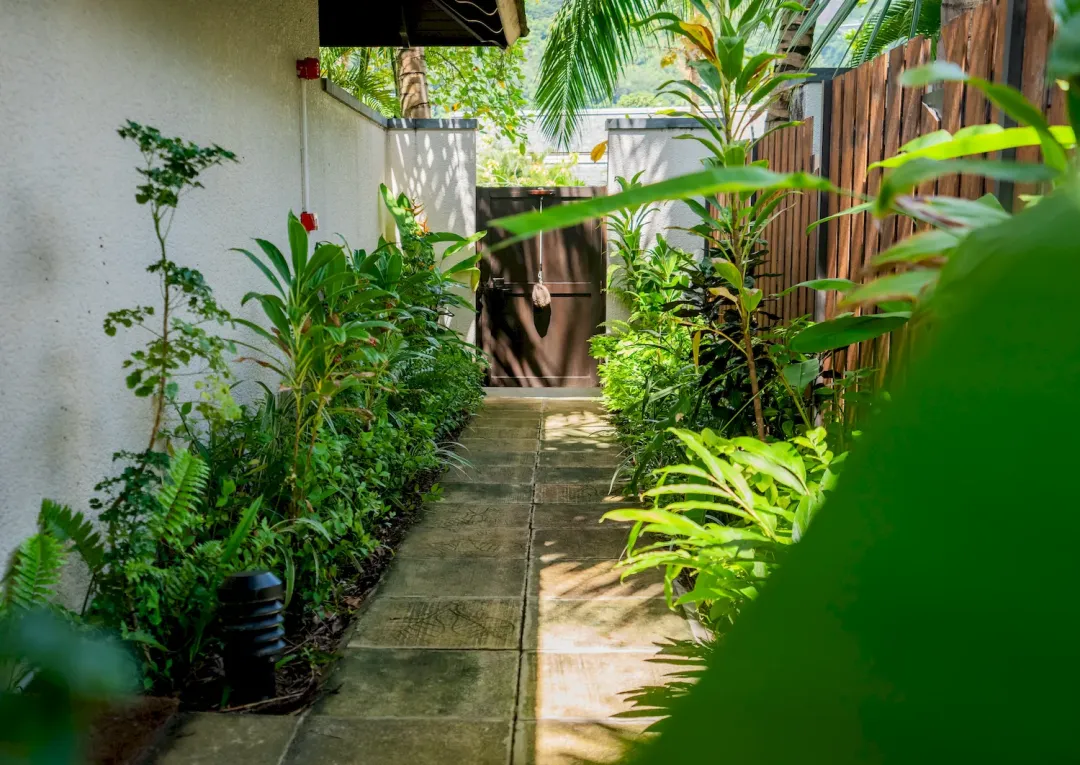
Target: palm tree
(367, 73)
(589, 44)
(412, 84)
(391, 81)
(796, 42)
(592, 41)
(892, 24)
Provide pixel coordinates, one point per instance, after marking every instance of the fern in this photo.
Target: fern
(68, 526)
(34, 572)
(179, 496)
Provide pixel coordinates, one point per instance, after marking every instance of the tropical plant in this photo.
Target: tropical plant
(36, 566)
(591, 42)
(723, 305)
(366, 73)
(171, 168)
(742, 503)
(156, 580)
(320, 346)
(840, 593)
(890, 22)
(483, 83)
(510, 167)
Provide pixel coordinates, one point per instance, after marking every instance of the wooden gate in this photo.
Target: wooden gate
(530, 347)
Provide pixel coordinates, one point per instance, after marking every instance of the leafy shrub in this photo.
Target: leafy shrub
(510, 167)
(739, 504)
(171, 168)
(158, 578)
(373, 382)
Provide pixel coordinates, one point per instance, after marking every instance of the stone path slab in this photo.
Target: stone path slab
(453, 578)
(575, 579)
(554, 742)
(371, 683)
(503, 632)
(385, 741)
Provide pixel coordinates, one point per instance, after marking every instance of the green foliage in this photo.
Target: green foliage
(171, 168)
(367, 73)
(510, 167)
(890, 23)
(483, 83)
(639, 99)
(34, 572)
(739, 503)
(163, 562)
(373, 382)
(908, 296)
(54, 677)
(911, 538)
(35, 568)
(589, 43)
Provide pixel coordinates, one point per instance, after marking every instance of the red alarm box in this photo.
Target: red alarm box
(307, 68)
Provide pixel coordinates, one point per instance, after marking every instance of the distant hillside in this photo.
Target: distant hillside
(640, 81)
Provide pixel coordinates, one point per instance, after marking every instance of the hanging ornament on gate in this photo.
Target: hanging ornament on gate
(541, 297)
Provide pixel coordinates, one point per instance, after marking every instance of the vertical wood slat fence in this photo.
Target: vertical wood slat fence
(790, 151)
(869, 117)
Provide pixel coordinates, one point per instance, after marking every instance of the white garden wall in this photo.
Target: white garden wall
(73, 243)
(653, 147)
(434, 161)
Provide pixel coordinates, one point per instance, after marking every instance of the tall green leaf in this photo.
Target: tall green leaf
(847, 330)
(719, 180)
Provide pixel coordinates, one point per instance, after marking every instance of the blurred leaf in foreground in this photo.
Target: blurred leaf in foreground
(930, 614)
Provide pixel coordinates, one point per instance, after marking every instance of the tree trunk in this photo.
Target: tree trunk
(412, 83)
(795, 55)
(951, 9)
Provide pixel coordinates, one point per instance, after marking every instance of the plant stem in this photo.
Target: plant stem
(759, 417)
(295, 509)
(159, 397)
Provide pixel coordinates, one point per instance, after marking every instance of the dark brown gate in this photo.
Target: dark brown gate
(540, 348)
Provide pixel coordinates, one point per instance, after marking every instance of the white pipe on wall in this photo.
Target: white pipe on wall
(305, 189)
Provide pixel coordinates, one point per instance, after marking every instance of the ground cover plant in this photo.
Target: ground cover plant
(298, 443)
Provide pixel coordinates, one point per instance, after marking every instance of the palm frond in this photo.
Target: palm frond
(367, 73)
(588, 45)
(894, 25)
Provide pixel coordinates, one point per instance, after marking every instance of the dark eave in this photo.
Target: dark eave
(420, 23)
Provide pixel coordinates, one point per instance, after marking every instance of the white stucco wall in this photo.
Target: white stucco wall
(436, 167)
(656, 152)
(74, 244)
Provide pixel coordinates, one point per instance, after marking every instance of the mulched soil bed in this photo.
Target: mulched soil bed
(299, 682)
(128, 735)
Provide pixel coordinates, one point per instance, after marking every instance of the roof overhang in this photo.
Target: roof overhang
(420, 23)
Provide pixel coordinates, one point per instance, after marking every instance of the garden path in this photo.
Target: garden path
(501, 634)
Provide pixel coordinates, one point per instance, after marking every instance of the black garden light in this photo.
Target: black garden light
(252, 603)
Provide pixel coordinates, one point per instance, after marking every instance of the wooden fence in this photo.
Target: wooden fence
(790, 151)
(868, 116)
